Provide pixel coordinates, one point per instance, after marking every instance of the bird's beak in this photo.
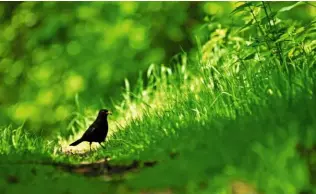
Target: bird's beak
(109, 112)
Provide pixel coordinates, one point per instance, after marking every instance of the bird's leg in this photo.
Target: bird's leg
(101, 145)
(90, 146)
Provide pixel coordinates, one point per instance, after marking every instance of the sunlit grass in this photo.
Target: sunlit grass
(232, 117)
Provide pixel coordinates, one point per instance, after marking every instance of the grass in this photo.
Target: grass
(238, 117)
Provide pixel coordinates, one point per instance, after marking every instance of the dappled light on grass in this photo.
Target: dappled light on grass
(143, 103)
(240, 187)
(234, 116)
(84, 147)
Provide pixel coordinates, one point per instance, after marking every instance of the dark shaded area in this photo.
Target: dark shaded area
(12, 179)
(104, 167)
(309, 155)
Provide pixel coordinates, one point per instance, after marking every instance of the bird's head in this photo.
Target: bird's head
(104, 112)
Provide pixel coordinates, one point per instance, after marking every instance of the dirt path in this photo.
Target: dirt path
(104, 167)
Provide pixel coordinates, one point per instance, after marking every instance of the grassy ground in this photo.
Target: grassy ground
(239, 117)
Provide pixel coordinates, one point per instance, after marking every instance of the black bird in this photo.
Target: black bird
(97, 131)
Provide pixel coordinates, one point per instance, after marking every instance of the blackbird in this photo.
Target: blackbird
(97, 131)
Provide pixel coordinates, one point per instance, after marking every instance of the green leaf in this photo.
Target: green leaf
(250, 56)
(288, 8)
(246, 25)
(241, 7)
(268, 18)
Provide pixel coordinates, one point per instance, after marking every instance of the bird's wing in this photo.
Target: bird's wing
(89, 131)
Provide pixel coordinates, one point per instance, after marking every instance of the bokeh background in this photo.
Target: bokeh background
(54, 55)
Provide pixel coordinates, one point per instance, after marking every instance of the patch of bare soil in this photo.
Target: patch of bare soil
(104, 167)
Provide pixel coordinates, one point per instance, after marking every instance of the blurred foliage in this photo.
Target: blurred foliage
(55, 52)
(52, 51)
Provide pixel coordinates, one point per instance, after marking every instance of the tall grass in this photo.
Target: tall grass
(238, 112)
(17, 145)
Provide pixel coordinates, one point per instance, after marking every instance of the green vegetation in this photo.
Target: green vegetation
(234, 114)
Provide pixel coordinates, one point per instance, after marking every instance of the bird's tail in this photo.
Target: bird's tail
(76, 142)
